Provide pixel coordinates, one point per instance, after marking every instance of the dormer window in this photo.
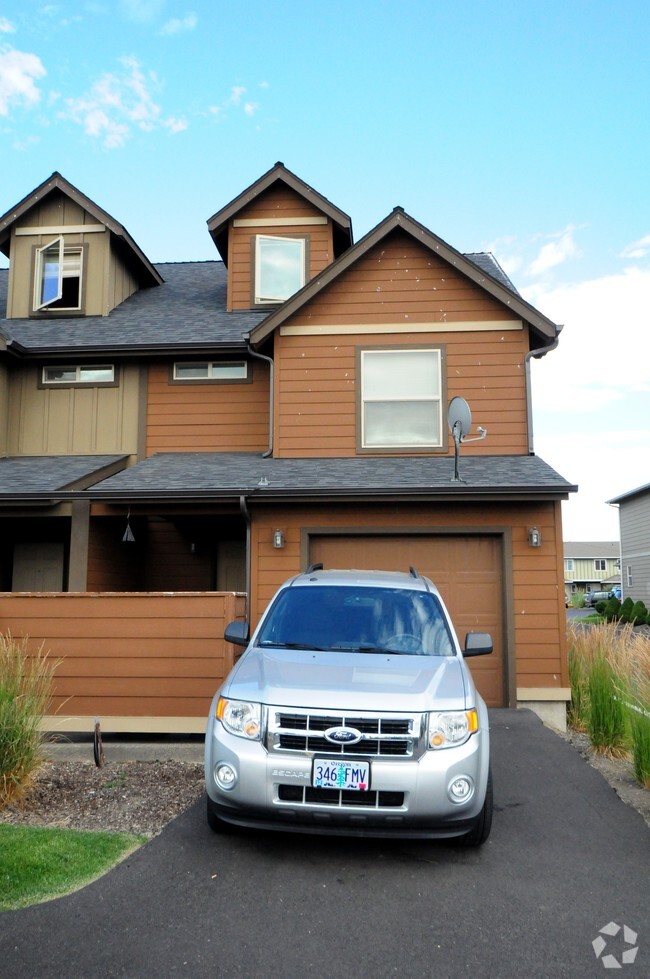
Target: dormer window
(280, 267)
(58, 276)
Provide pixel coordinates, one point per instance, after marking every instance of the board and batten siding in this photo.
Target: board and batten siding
(398, 295)
(72, 420)
(279, 204)
(138, 662)
(535, 626)
(207, 417)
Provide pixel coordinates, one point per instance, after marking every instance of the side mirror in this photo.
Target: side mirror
(478, 644)
(237, 633)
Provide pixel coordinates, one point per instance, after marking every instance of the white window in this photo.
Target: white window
(600, 564)
(568, 565)
(629, 575)
(57, 278)
(213, 370)
(401, 399)
(82, 374)
(279, 268)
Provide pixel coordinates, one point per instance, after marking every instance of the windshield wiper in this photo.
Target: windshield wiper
(268, 643)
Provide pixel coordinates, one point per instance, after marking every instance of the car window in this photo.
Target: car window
(358, 619)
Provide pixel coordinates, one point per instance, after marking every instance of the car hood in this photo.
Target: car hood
(348, 681)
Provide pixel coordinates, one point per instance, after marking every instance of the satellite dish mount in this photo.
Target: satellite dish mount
(460, 421)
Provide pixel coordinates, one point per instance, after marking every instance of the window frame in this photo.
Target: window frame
(173, 379)
(600, 564)
(256, 265)
(78, 382)
(40, 309)
(405, 448)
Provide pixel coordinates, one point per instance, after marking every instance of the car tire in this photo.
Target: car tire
(216, 824)
(481, 829)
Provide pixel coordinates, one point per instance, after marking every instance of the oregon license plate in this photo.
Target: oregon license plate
(336, 773)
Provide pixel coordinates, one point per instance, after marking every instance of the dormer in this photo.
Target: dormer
(68, 257)
(276, 236)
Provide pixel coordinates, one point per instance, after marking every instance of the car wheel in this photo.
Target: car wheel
(481, 829)
(216, 824)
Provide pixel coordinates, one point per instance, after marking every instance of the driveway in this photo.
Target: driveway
(566, 858)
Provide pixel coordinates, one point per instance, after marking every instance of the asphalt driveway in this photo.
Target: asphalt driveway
(566, 858)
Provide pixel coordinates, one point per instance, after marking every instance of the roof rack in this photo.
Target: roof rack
(416, 574)
(313, 567)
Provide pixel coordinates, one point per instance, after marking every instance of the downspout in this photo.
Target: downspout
(245, 512)
(269, 361)
(538, 353)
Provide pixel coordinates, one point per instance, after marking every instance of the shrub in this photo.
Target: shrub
(606, 716)
(639, 613)
(577, 710)
(25, 695)
(578, 599)
(625, 610)
(612, 609)
(640, 730)
(600, 607)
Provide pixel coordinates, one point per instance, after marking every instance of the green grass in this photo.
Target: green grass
(38, 864)
(606, 715)
(640, 725)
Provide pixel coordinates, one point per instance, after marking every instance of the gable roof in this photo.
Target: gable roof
(218, 223)
(631, 494)
(495, 282)
(145, 271)
(592, 549)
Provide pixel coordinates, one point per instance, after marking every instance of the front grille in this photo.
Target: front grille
(305, 795)
(381, 736)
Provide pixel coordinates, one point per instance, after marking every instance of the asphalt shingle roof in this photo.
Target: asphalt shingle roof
(233, 473)
(49, 474)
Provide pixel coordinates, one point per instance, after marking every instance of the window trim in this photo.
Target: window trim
(44, 383)
(406, 449)
(39, 310)
(598, 561)
(256, 267)
(173, 379)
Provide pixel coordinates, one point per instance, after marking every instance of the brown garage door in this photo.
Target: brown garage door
(466, 570)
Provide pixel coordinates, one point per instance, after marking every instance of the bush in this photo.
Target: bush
(625, 610)
(639, 613)
(606, 716)
(600, 607)
(25, 695)
(578, 599)
(612, 609)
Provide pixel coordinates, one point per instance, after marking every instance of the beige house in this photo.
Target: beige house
(178, 439)
(591, 565)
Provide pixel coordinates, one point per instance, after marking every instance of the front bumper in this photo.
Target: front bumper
(409, 797)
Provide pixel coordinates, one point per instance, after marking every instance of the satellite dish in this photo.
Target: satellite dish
(460, 421)
(459, 417)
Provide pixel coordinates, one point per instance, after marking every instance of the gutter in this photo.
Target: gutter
(269, 361)
(538, 353)
(245, 512)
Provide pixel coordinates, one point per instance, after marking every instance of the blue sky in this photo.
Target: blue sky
(505, 126)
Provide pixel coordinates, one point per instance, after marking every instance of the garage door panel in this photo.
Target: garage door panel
(466, 571)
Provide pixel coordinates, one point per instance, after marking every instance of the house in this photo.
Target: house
(634, 518)
(178, 439)
(591, 565)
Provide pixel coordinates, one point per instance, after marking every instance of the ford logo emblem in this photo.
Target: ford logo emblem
(343, 735)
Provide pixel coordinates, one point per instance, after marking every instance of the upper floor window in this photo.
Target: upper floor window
(211, 370)
(568, 564)
(401, 399)
(81, 374)
(280, 267)
(600, 564)
(58, 276)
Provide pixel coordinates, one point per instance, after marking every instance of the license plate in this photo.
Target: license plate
(335, 773)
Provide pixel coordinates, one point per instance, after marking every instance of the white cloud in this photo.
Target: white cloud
(6, 27)
(118, 103)
(19, 72)
(638, 249)
(555, 252)
(178, 25)
(250, 108)
(142, 11)
(236, 100)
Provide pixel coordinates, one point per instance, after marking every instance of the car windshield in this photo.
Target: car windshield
(352, 618)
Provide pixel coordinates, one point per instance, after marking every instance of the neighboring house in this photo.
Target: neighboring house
(177, 433)
(591, 565)
(634, 519)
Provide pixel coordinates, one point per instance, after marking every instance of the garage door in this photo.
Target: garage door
(466, 570)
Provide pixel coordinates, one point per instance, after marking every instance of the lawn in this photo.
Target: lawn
(38, 864)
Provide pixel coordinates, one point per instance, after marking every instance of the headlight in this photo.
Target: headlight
(451, 728)
(240, 717)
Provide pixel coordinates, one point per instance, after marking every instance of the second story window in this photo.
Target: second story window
(91, 374)
(600, 563)
(211, 370)
(568, 565)
(279, 268)
(58, 276)
(401, 399)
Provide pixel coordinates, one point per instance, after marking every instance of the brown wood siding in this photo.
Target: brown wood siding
(315, 395)
(277, 202)
(130, 655)
(207, 417)
(533, 589)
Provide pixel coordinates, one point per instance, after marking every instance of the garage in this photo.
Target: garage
(467, 570)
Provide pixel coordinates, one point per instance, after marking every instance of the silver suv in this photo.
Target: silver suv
(352, 712)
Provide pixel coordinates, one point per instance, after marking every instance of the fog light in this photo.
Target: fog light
(225, 776)
(460, 789)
